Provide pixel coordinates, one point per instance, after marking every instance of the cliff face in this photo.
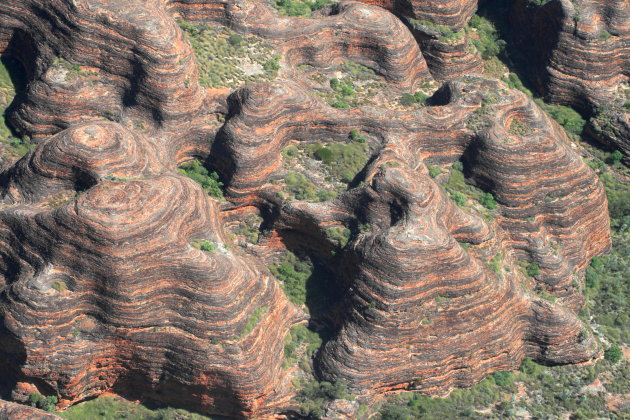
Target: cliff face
(579, 53)
(117, 272)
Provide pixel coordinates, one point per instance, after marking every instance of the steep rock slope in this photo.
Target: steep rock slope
(579, 53)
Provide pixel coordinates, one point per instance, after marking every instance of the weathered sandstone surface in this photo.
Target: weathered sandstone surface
(102, 286)
(13, 411)
(579, 55)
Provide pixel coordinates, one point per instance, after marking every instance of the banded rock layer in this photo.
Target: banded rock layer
(579, 55)
(105, 284)
(13, 411)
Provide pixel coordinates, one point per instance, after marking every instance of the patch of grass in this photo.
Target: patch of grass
(567, 117)
(299, 187)
(518, 128)
(460, 192)
(227, 59)
(114, 408)
(253, 320)
(417, 98)
(495, 263)
(542, 293)
(445, 34)
(339, 235)
(301, 8)
(343, 161)
(14, 147)
(206, 246)
(209, 181)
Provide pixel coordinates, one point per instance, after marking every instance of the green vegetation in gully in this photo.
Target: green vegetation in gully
(355, 86)
(227, 59)
(301, 8)
(306, 284)
(293, 274)
(343, 161)
(209, 181)
(461, 192)
(14, 147)
(113, 408)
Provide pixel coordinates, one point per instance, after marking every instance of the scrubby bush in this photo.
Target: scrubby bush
(300, 7)
(489, 43)
(408, 99)
(293, 274)
(209, 181)
(340, 105)
(355, 135)
(43, 403)
(613, 354)
(487, 200)
(343, 160)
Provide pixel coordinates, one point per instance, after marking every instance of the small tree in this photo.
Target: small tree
(612, 354)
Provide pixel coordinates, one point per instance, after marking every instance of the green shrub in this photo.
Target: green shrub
(489, 43)
(503, 378)
(297, 337)
(434, 171)
(340, 105)
(43, 403)
(458, 198)
(301, 8)
(298, 185)
(209, 181)
(343, 160)
(355, 135)
(313, 395)
(495, 263)
(204, 246)
(613, 354)
(324, 154)
(614, 158)
(529, 367)
(532, 269)
(567, 117)
(417, 98)
(235, 39)
(340, 235)
(487, 200)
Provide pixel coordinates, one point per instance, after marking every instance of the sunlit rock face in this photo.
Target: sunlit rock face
(103, 288)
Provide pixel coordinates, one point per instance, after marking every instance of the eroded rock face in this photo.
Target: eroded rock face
(13, 411)
(102, 287)
(579, 52)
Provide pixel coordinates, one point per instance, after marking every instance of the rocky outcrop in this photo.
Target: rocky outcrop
(13, 411)
(117, 273)
(448, 13)
(579, 55)
(409, 279)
